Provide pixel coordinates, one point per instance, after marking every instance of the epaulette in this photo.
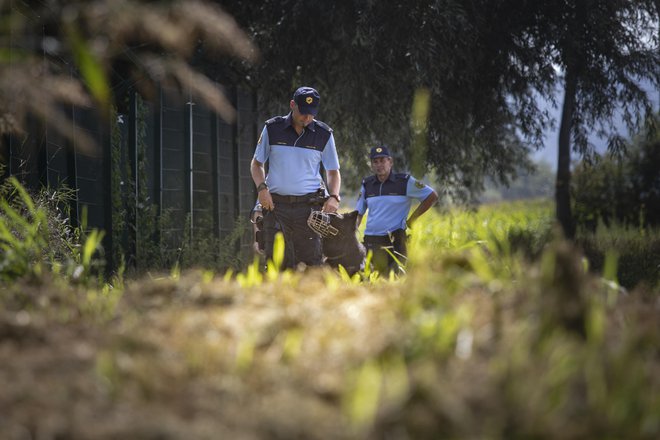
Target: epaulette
(404, 176)
(275, 119)
(323, 125)
(369, 179)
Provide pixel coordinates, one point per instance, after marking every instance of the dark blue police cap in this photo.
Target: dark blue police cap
(308, 100)
(379, 151)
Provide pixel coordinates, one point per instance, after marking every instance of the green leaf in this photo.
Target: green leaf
(278, 251)
(361, 401)
(92, 243)
(610, 266)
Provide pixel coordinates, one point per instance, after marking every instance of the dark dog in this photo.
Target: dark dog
(344, 247)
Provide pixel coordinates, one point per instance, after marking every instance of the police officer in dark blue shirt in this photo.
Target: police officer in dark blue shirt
(295, 147)
(388, 197)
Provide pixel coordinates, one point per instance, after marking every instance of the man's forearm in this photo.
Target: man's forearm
(334, 181)
(423, 207)
(257, 172)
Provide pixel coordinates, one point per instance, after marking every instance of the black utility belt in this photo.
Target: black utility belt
(385, 240)
(305, 198)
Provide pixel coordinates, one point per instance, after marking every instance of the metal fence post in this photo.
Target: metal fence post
(135, 178)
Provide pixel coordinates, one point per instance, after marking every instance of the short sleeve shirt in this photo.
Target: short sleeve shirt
(389, 202)
(294, 160)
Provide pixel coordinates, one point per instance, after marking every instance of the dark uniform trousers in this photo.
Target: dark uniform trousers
(379, 245)
(301, 244)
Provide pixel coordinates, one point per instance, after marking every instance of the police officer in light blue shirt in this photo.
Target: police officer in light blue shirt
(295, 147)
(388, 197)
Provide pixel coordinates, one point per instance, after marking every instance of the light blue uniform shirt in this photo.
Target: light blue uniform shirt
(294, 160)
(389, 202)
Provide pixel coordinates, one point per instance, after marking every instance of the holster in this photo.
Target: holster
(398, 236)
(259, 236)
(318, 198)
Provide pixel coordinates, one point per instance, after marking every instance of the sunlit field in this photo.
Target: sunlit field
(497, 330)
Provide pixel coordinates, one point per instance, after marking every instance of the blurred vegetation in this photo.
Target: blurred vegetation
(617, 209)
(538, 182)
(498, 331)
(623, 189)
(635, 251)
(84, 53)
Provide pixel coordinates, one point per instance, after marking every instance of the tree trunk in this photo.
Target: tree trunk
(563, 182)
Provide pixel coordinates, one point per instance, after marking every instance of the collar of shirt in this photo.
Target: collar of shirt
(287, 122)
(390, 177)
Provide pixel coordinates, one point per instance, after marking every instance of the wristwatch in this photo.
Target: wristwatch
(261, 186)
(336, 197)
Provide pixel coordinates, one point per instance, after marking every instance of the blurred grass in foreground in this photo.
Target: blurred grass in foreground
(497, 331)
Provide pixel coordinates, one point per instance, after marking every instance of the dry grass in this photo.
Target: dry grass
(192, 358)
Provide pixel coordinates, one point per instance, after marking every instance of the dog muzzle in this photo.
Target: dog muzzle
(319, 222)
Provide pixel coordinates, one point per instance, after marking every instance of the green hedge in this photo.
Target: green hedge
(620, 189)
(637, 252)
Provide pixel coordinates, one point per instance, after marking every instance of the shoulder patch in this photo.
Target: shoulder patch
(323, 125)
(419, 184)
(274, 120)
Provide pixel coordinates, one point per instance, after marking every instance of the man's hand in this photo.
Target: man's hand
(330, 205)
(266, 200)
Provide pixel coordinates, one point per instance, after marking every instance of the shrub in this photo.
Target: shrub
(637, 252)
(623, 189)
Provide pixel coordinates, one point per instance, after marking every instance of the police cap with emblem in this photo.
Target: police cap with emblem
(308, 100)
(379, 151)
